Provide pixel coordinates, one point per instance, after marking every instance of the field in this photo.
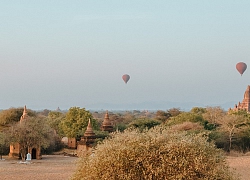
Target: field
(51, 167)
(59, 167)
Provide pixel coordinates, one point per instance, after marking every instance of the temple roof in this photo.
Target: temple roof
(89, 131)
(106, 121)
(106, 125)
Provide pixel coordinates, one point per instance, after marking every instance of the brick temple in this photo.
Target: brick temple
(245, 104)
(35, 151)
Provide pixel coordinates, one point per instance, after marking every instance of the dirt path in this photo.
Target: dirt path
(51, 167)
(241, 164)
(59, 167)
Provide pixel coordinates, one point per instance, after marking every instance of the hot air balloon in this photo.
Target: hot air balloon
(241, 67)
(125, 78)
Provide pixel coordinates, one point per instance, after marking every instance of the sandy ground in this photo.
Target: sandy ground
(241, 164)
(51, 167)
(59, 167)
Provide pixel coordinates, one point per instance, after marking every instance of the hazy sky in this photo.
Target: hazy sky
(74, 53)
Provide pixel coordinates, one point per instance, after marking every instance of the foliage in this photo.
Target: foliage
(185, 117)
(45, 112)
(76, 121)
(54, 146)
(188, 126)
(128, 117)
(219, 138)
(213, 114)
(144, 123)
(154, 154)
(232, 124)
(54, 119)
(174, 111)
(4, 148)
(120, 127)
(13, 115)
(100, 136)
(162, 115)
(32, 132)
(198, 110)
(241, 141)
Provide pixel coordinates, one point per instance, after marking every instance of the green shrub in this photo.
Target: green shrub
(158, 153)
(185, 117)
(144, 123)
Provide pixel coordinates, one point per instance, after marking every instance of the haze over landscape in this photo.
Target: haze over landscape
(74, 53)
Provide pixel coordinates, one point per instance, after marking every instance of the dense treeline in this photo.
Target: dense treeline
(228, 129)
(209, 128)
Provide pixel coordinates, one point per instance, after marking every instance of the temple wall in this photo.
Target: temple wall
(14, 150)
(72, 143)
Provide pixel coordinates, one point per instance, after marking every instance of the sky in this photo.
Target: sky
(74, 53)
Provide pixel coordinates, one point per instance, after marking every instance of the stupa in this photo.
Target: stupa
(106, 125)
(85, 145)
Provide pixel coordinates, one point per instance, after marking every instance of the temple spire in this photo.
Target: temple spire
(25, 114)
(89, 127)
(106, 125)
(25, 111)
(245, 104)
(89, 134)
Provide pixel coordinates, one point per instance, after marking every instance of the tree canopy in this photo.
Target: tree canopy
(143, 123)
(12, 115)
(55, 119)
(31, 132)
(76, 121)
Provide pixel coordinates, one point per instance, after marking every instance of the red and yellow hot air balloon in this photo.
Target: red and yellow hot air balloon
(241, 67)
(125, 78)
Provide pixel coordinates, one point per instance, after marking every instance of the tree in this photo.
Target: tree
(118, 121)
(128, 117)
(174, 111)
(76, 121)
(144, 123)
(162, 115)
(198, 110)
(158, 153)
(31, 132)
(45, 112)
(54, 119)
(3, 143)
(13, 115)
(213, 114)
(188, 126)
(185, 117)
(232, 124)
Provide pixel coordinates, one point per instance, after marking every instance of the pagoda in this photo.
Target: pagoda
(86, 143)
(106, 125)
(35, 151)
(245, 104)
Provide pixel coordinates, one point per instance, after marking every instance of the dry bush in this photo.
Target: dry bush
(158, 153)
(187, 126)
